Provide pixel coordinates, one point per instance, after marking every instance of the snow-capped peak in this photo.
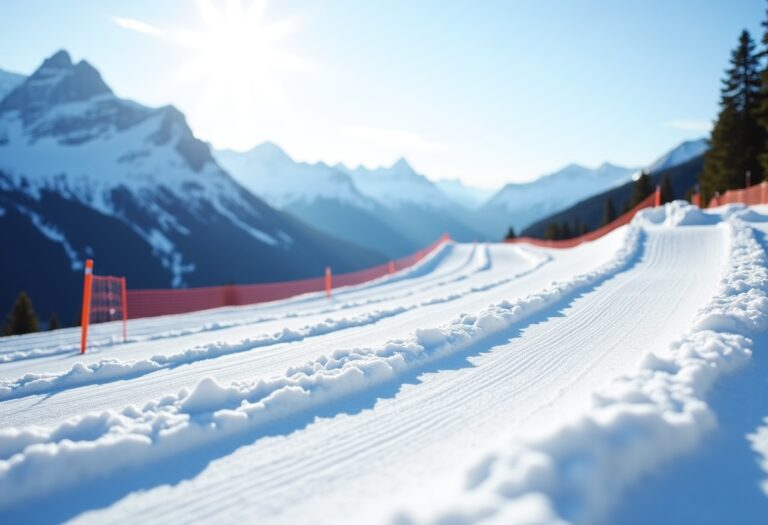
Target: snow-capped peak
(397, 185)
(57, 81)
(269, 172)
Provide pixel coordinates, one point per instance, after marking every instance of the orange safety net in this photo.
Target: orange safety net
(152, 303)
(757, 194)
(648, 202)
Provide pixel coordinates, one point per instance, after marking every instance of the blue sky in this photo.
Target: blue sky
(486, 91)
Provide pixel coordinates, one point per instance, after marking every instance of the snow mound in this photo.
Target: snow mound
(743, 212)
(677, 213)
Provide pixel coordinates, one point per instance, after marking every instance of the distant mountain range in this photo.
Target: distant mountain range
(394, 210)
(529, 205)
(683, 165)
(520, 204)
(85, 174)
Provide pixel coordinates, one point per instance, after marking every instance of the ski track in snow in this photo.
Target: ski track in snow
(196, 323)
(113, 369)
(98, 444)
(638, 421)
(496, 399)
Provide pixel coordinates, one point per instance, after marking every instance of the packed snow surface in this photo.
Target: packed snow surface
(489, 384)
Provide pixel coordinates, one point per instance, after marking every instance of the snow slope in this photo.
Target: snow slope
(491, 383)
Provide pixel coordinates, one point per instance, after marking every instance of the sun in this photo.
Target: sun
(234, 68)
(238, 52)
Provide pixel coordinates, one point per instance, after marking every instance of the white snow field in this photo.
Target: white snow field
(489, 384)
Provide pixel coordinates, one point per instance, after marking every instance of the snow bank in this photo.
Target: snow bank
(36, 460)
(575, 473)
(677, 213)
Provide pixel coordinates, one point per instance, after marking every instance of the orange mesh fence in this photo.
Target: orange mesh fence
(151, 303)
(648, 202)
(104, 301)
(757, 194)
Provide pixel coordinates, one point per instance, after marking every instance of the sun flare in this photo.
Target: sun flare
(235, 55)
(238, 50)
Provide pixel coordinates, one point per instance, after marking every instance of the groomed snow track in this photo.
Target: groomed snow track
(471, 388)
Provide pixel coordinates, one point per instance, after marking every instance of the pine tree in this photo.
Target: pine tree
(625, 208)
(553, 232)
(565, 231)
(666, 189)
(737, 138)
(762, 110)
(609, 214)
(576, 227)
(53, 322)
(510, 233)
(22, 318)
(640, 189)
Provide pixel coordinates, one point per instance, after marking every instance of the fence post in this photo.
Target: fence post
(85, 315)
(125, 309)
(328, 282)
(657, 197)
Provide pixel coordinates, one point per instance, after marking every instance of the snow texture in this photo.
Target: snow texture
(576, 472)
(36, 460)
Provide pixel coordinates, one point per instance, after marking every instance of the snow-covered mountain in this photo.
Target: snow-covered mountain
(393, 210)
(84, 174)
(9, 81)
(415, 205)
(470, 197)
(275, 177)
(397, 185)
(520, 204)
(318, 194)
(683, 153)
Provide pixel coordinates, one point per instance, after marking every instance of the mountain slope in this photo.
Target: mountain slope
(317, 194)
(86, 174)
(9, 81)
(392, 210)
(470, 197)
(519, 205)
(681, 154)
(590, 211)
(413, 203)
